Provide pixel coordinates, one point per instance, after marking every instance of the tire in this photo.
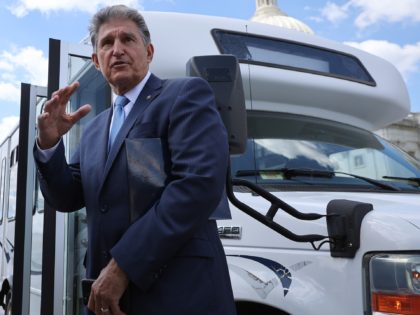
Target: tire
(8, 309)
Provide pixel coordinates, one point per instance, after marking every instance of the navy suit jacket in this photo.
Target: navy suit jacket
(172, 253)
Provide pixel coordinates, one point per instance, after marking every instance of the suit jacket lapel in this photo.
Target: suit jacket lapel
(149, 92)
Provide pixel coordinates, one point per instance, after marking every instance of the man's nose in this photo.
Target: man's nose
(118, 48)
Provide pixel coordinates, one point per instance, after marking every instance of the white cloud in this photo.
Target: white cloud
(405, 58)
(31, 61)
(316, 19)
(27, 64)
(334, 13)
(7, 124)
(23, 7)
(373, 11)
(4, 66)
(10, 92)
(370, 12)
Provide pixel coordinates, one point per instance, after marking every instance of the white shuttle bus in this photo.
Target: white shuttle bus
(345, 240)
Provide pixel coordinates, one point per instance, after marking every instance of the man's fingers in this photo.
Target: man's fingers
(72, 87)
(43, 116)
(91, 302)
(115, 309)
(67, 91)
(96, 303)
(109, 287)
(48, 106)
(80, 113)
(61, 97)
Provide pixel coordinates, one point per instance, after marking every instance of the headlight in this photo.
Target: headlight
(394, 284)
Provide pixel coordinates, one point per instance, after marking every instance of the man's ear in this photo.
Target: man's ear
(150, 52)
(95, 61)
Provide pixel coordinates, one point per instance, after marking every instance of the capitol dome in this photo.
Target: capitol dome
(268, 12)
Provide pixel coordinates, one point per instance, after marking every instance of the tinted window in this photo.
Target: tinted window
(2, 187)
(291, 55)
(11, 212)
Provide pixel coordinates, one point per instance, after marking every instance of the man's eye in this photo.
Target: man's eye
(106, 44)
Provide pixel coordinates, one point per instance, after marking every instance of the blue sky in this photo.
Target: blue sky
(388, 28)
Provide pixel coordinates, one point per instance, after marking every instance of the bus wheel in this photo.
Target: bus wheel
(8, 306)
(5, 289)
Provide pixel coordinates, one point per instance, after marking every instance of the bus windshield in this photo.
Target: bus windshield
(299, 152)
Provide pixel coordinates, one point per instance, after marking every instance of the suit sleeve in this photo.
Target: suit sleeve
(198, 146)
(60, 183)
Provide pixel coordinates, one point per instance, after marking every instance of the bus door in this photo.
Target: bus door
(4, 184)
(65, 239)
(22, 218)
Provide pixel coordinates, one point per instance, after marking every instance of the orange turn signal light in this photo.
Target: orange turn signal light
(396, 304)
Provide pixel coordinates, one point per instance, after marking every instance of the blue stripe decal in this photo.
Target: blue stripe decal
(281, 271)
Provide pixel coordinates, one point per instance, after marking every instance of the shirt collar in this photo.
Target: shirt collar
(134, 93)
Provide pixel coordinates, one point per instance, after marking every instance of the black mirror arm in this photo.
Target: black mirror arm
(276, 204)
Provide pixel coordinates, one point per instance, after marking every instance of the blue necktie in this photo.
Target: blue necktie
(118, 118)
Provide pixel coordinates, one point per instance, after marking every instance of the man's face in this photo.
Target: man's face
(121, 54)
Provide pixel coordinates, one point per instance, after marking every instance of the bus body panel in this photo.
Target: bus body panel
(278, 89)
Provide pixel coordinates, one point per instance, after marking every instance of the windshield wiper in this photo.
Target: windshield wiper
(293, 172)
(286, 172)
(411, 179)
(372, 181)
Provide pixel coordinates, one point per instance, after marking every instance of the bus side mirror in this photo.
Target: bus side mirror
(223, 74)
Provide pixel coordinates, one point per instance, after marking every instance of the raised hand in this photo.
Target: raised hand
(54, 122)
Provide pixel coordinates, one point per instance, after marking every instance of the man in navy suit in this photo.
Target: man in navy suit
(169, 260)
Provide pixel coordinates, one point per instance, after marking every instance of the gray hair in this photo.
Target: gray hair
(119, 12)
